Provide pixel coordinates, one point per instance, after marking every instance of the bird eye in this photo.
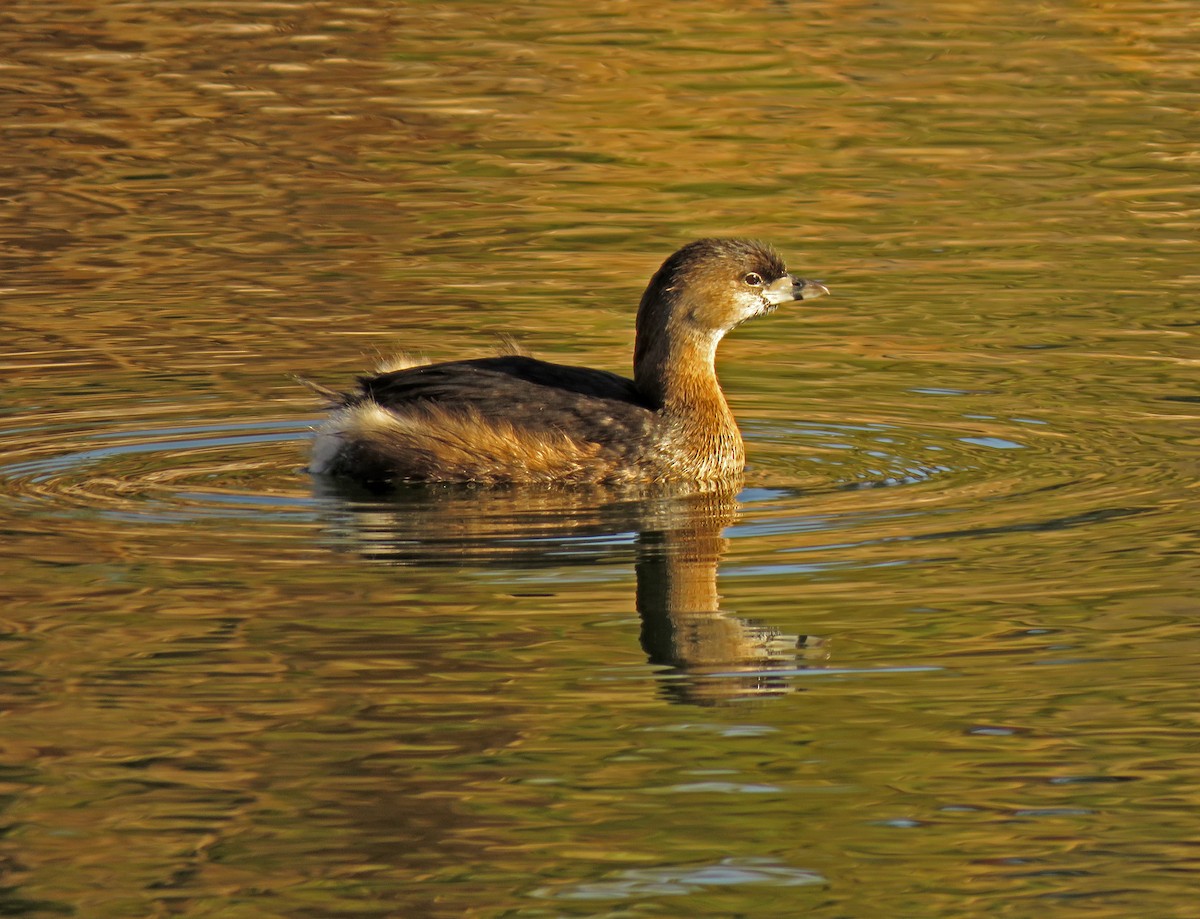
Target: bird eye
(754, 279)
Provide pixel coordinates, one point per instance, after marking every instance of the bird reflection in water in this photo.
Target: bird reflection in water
(673, 537)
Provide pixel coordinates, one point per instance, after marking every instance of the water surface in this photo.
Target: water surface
(936, 658)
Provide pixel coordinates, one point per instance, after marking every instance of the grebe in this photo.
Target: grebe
(513, 419)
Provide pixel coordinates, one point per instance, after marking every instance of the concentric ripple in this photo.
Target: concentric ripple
(906, 484)
(156, 472)
(825, 492)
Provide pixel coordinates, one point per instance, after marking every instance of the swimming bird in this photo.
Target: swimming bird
(513, 419)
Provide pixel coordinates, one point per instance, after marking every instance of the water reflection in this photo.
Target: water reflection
(673, 536)
(207, 710)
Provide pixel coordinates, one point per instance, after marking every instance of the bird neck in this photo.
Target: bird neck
(674, 370)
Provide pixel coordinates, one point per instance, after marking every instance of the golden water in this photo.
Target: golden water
(938, 658)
